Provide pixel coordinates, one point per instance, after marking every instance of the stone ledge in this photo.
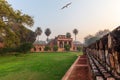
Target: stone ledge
(67, 74)
(78, 71)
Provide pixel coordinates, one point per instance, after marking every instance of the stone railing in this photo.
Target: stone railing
(104, 56)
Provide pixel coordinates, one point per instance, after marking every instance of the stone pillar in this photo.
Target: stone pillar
(67, 42)
(58, 44)
(63, 44)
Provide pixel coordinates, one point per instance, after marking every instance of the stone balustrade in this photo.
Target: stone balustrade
(104, 56)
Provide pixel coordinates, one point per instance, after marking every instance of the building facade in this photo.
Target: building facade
(60, 41)
(38, 46)
(1, 43)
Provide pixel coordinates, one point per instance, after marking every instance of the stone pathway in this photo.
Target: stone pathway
(79, 70)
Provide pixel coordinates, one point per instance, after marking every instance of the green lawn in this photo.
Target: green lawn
(36, 66)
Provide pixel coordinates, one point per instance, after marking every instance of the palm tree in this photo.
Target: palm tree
(75, 32)
(47, 33)
(68, 35)
(38, 32)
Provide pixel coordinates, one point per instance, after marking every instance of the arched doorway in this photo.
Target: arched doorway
(40, 49)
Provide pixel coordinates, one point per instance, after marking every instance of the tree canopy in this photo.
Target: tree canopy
(75, 31)
(92, 38)
(12, 25)
(47, 33)
(68, 35)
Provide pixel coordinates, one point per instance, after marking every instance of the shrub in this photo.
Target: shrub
(47, 48)
(55, 48)
(67, 47)
(6, 50)
(24, 48)
(79, 48)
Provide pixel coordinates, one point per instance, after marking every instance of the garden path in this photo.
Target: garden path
(79, 70)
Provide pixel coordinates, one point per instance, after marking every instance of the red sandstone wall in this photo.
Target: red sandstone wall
(1, 45)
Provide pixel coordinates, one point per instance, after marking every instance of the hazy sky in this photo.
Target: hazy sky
(88, 16)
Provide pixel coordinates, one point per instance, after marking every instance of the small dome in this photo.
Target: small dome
(40, 42)
(77, 42)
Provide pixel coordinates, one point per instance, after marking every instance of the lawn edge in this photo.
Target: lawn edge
(67, 74)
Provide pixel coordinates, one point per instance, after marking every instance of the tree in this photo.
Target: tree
(79, 48)
(101, 33)
(68, 35)
(25, 47)
(9, 15)
(55, 48)
(29, 38)
(92, 38)
(87, 38)
(47, 33)
(11, 39)
(47, 48)
(67, 47)
(38, 32)
(75, 32)
(12, 23)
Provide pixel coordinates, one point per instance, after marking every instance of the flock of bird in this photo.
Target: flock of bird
(66, 5)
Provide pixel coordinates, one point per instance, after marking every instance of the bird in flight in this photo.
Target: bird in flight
(66, 5)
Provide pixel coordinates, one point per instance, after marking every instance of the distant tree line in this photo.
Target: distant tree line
(39, 31)
(92, 38)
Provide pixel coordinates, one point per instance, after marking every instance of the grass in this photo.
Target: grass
(36, 66)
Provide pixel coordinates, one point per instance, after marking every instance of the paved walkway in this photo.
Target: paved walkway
(79, 70)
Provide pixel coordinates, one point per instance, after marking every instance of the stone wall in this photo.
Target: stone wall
(107, 52)
(1, 44)
(38, 48)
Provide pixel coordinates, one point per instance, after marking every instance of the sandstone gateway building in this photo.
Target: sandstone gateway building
(60, 41)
